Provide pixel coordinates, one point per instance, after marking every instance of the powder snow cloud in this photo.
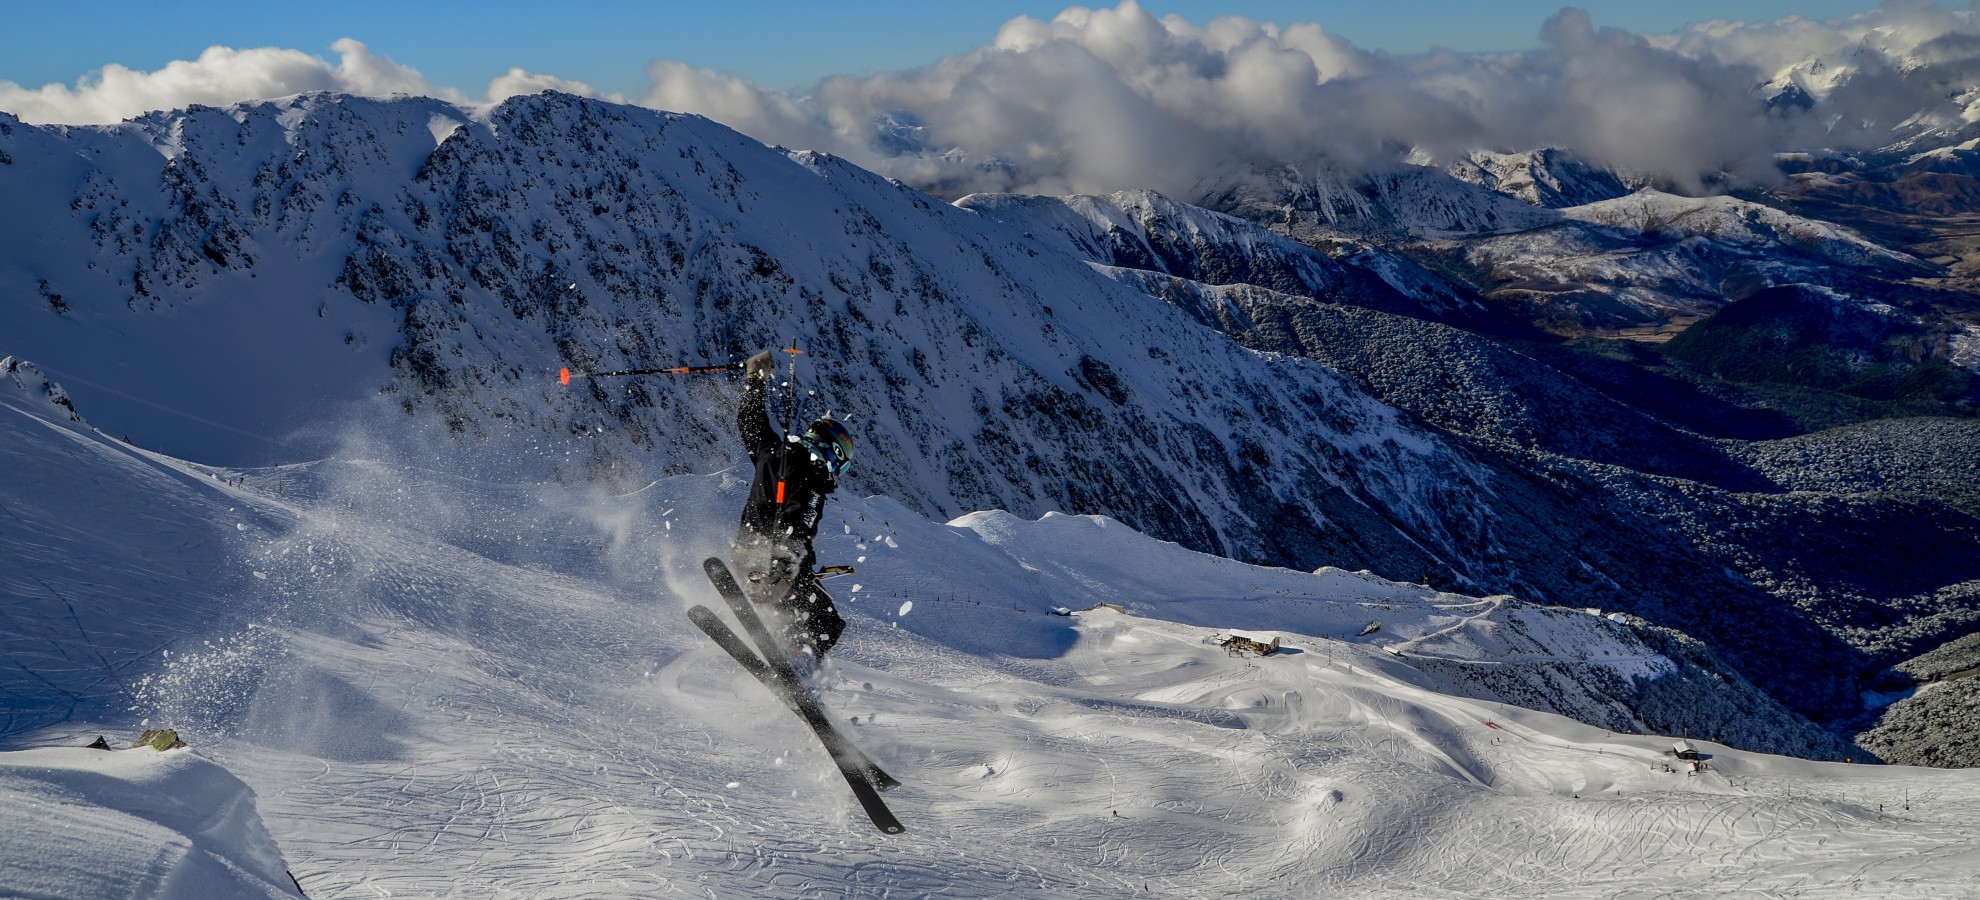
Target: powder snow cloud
(1104, 99)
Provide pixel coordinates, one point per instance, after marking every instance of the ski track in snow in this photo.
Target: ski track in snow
(419, 719)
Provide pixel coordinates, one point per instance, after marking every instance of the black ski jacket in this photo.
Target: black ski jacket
(787, 499)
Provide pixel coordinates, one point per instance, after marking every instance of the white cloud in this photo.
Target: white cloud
(223, 75)
(220, 76)
(1907, 64)
(1103, 99)
(517, 82)
(769, 116)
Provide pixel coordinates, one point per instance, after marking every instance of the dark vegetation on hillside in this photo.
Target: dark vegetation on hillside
(1795, 470)
(1806, 338)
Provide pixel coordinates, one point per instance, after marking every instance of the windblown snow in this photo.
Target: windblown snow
(134, 823)
(429, 685)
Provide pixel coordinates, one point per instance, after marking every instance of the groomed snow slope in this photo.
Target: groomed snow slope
(440, 687)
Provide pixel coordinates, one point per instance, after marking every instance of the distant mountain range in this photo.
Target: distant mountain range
(1736, 417)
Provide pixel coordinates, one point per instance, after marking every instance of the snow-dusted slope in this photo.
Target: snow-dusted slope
(1593, 257)
(1729, 220)
(1149, 232)
(1455, 380)
(1549, 177)
(1401, 202)
(1145, 230)
(1657, 260)
(535, 718)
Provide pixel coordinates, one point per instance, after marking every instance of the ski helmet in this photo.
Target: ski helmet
(830, 443)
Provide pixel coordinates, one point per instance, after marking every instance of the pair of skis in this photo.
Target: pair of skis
(773, 668)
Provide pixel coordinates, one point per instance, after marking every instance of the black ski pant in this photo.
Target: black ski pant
(814, 617)
(782, 573)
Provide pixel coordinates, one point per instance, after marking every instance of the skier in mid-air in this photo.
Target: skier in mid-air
(794, 475)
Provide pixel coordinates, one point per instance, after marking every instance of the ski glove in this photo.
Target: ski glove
(762, 365)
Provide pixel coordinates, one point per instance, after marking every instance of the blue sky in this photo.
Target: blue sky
(777, 43)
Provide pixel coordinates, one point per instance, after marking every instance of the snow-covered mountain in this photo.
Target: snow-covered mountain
(1326, 201)
(1626, 442)
(1505, 243)
(1549, 177)
(1523, 459)
(330, 275)
(1146, 231)
(1657, 261)
(276, 258)
(1740, 223)
(428, 684)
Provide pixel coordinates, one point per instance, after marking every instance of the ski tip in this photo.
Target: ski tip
(564, 374)
(893, 829)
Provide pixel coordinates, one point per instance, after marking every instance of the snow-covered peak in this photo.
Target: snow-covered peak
(1730, 220)
(1548, 177)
